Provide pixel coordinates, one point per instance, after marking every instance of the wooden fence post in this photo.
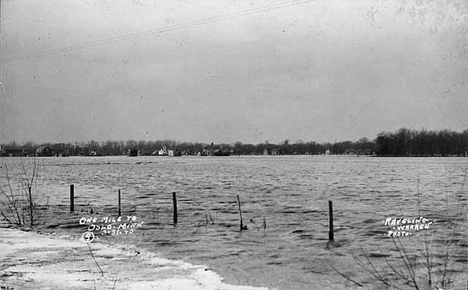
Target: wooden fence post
(72, 198)
(174, 202)
(331, 237)
(119, 204)
(31, 205)
(240, 213)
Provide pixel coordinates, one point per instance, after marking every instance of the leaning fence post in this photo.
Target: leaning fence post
(330, 221)
(119, 203)
(174, 202)
(240, 213)
(31, 205)
(72, 198)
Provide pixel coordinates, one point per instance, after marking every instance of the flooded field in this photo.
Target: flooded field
(284, 204)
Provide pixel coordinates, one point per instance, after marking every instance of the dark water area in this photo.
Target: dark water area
(284, 205)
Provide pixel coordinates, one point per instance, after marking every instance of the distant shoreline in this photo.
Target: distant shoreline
(403, 142)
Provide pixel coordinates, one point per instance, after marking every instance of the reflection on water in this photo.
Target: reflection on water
(284, 205)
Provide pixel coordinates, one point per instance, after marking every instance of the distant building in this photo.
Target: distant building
(11, 152)
(216, 150)
(146, 153)
(221, 152)
(43, 151)
(62, 154)
(275, 151)
(133, 152)
(350, 151)
(265, 151)
(209, 150)
(163, 152)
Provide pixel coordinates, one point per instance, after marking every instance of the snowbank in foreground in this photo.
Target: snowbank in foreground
(33, 261)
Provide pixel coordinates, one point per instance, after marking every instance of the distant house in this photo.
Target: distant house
(221, 152)
(275, 151)
(209, 150)
(11, 152)
(145, 153)
(43, 151)
(351, 151)
(62, 154)
(215, 150)
(163, 152)
(133, 152)
(265, 151)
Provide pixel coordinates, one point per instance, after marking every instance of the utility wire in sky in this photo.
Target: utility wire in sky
(155, 31)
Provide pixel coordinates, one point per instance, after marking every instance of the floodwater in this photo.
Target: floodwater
(284, 202)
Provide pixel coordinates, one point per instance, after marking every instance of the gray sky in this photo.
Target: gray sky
(226, 70)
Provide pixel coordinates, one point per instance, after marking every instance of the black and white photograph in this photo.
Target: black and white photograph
(236, 145)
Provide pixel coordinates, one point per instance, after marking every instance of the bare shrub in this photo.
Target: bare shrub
(19, 205)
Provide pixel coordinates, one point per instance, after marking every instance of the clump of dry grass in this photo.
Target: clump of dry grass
(434, 258)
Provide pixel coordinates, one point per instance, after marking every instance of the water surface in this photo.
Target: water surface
(284, 204)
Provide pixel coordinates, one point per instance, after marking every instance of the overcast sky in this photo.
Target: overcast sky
(226, 70)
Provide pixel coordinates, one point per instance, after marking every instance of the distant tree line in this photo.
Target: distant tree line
(403, 142)
(106, 148)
